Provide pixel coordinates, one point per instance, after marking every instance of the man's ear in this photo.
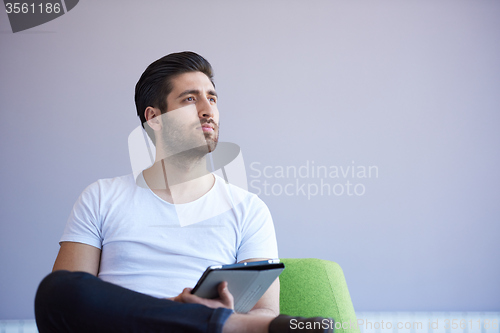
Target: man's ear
(152, 116)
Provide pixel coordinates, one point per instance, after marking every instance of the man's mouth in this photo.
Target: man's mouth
(207, 128)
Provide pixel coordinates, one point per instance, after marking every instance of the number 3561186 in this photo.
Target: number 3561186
(27, 8)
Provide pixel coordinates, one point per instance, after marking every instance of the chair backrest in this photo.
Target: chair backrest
(315, 287)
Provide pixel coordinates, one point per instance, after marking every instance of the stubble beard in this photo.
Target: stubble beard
(212, 138)
(186, 150)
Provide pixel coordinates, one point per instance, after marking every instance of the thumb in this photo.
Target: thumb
(225, 296)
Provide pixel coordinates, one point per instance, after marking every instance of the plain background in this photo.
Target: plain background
(411, 87)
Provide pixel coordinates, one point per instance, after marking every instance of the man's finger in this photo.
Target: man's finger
(187, 297)
(225, 296)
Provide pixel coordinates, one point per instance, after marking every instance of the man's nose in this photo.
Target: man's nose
(205, 109)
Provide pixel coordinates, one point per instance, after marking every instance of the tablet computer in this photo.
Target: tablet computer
(247, 282)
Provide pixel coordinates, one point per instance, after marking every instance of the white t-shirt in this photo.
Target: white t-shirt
(146, 247)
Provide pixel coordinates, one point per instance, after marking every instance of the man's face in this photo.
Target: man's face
(191, 122)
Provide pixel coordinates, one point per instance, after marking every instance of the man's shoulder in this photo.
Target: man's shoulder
(106, 185)
(117, 181)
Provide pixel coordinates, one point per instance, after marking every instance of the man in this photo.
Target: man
(132, 245)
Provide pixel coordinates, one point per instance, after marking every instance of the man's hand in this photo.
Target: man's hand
(225, 299)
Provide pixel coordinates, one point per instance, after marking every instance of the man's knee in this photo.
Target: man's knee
(60, 294)
(61, 288)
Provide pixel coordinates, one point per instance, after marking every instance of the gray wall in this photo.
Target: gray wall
(411, 88)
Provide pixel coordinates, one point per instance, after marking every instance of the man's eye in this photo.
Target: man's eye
(189, 99)
(212, 99)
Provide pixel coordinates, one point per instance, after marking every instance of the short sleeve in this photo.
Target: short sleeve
(258, 234)
(84, 224)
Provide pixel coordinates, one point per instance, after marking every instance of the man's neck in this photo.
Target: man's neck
(179, 181)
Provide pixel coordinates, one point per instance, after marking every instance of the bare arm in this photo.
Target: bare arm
(78, 257)
(269, 303)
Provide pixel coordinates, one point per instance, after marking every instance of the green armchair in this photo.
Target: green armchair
(315, 287)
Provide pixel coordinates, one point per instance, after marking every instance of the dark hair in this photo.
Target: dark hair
(155, 83)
